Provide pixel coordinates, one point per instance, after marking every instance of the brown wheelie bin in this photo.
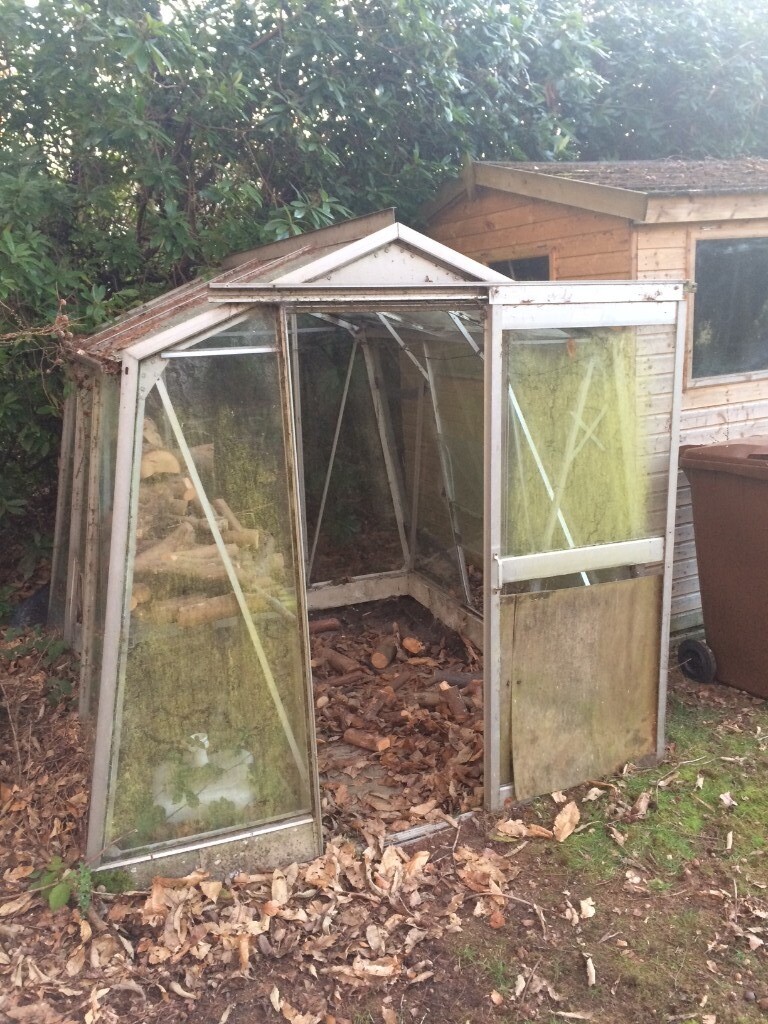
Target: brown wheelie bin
(729, 493)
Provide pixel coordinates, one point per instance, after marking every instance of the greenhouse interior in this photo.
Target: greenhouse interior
(355, 416)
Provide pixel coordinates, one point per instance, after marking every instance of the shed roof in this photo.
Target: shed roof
(623, 188)
(661, 177)
(367, 249)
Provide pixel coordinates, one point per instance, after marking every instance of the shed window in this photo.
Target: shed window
(531, 268)
(730, 318)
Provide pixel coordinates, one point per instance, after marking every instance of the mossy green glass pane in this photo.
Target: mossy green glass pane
(201, 746)
(575, 469)
(458, 376)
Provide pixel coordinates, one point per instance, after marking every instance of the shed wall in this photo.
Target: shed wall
(710, 413)
(497, 225)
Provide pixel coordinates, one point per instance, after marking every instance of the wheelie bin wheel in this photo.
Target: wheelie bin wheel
(697, 661)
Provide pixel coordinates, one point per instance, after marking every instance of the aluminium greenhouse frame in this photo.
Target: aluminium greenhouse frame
(387, 272)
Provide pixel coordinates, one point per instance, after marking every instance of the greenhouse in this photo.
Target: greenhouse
(345, 417)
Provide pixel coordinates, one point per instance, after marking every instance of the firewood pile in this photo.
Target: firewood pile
(179, 574)
(399, 723)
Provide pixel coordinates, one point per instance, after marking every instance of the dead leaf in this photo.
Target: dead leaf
(699, 782)
(497, 919)
(16, 906)
(497, 998)
(566, 821)
(517, 829)
(725, 799)
(591, 976)
(586, 908)
(538, 832)
(595, 793)
(76, 962)
(376, 938)
(559, 797)
(616, 836)
(211, 889)
(640, 806)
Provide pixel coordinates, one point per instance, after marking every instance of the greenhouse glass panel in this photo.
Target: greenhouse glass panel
(576, 456)
(212, 718)
(351, 522)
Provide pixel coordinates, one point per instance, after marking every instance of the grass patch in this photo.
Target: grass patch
(686, 820)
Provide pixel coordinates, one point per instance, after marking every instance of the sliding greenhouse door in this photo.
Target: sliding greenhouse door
(213, 735)
(582, 394)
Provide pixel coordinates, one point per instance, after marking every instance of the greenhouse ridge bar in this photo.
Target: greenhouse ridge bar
(357, 414)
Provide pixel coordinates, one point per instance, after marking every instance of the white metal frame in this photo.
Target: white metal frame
(140, 372)
(610, 304)
(508, 306)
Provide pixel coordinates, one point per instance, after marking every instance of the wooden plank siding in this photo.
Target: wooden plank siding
(498, 226)
(710, 413)
(583, 245)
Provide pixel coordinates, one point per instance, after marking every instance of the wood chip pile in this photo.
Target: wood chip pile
(400, 725)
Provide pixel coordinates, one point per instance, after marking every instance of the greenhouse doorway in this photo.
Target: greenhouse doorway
(390, 414)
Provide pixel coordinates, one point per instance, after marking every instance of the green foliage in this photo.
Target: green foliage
(688, 80)
(142, 142)
(60, 884)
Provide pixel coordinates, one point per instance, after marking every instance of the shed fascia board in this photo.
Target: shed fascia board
(584, 195)
(692, 208)
(333, 261)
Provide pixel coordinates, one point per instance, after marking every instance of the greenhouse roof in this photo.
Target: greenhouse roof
(373, 252)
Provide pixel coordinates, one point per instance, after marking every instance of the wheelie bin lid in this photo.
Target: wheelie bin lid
(746, 457)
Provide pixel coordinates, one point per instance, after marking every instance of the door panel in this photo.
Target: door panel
(581, 701)
(213, 722)
(582, 411)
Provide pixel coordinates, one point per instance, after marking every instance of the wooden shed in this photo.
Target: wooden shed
(701, 221)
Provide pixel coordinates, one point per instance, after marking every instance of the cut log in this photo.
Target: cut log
(347, 679)
(460, 679)
(181, 487)
(214, 608)
(324, 626)
(140, 595)
(338, 662)
(164, 611)
(243, 538)
(413, 645)
(367, 740)
(181, 537)
(151, 434)
(405, 675)
(453, 699)
(157, 461)
(203, 457)
(384, 654)
(224, 510)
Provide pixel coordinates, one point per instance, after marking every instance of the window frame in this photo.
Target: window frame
(717, 233)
